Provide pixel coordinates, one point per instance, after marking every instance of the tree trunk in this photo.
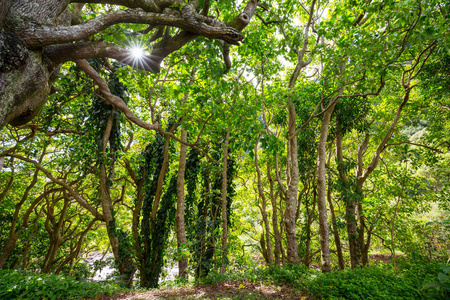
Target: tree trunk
(322, 187)
(14, 232)
(276, 231)
(123, 261)
(224, 204)
(307, 258)
(337, 239)
(26, 75)
(292, 190)
(181, 233)
(36, 37)
(350, 209)
(263, 209)
(54, 232)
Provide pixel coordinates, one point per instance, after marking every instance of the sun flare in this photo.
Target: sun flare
(137, 52)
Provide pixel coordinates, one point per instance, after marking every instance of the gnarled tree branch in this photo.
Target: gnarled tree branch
(84, 50)
(43, 35)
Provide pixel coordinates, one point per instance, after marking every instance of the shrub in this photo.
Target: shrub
(442, 284)
(379, 282)
(364, 283)
(27, 285)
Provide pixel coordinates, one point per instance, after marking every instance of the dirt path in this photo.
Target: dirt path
(227, 290)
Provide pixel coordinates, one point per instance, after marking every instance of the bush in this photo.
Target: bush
(289, 274)
(442, 284)
(27, 285)
(379, 282)
(364, 283)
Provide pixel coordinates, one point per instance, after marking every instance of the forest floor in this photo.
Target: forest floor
(225, 290)
(229, 290)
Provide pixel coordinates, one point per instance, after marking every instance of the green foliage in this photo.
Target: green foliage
(289, 274)
(442, 284)
(379, 282)
(155, 232)
(27, 285)
(366, 283)
(204, 231)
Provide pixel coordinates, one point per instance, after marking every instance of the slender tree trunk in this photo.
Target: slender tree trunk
(75, 252)
(263, 209)
(224, 204)
(307, 258)
(124, 263)
(392, 231)
(106, 197)
(321, 189)
(337, 239)
(350, 209)
(54, 232)
(14, 234)
(179, 218)
(28, 242)
(276, 231)
(365, 250)
(292, 191)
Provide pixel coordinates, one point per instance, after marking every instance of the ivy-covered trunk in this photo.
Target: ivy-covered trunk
(157, 210)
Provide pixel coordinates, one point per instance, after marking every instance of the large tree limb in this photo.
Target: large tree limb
(146, 5)
(84, 50)
(38, 36)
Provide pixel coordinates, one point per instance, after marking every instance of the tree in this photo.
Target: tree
(39, 36)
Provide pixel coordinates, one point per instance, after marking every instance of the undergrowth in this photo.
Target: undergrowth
(376, 282)
(28, 285)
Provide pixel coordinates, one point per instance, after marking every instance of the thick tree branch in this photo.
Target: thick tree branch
(38, 36)
(146, 5)
(84, 50)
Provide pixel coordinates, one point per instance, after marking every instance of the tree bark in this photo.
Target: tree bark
(37, 36)
(337, 239)
(350, 209)
(276, 231)
(54, 230)
(292, 191)
(322, 187)
(307, 259)
(180, 229)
